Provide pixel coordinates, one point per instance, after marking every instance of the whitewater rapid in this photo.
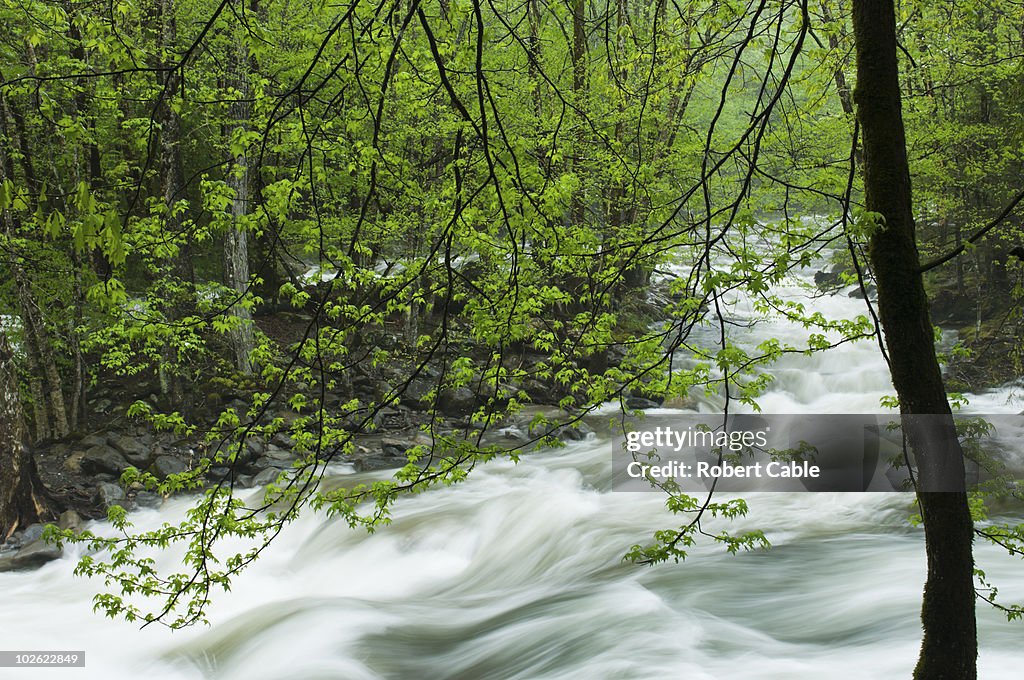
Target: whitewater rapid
(518, 573)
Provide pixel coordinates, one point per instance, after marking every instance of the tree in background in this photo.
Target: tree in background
(22, 501)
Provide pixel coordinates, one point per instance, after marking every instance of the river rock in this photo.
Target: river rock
(573, 433)
(391, 418)
(109, 495)
(275, 457)
(215, 474)
(394, 447)
(69, 519)
(460, 401)
(859, 294)
(372, 462)
(641, 403)
(33, 555)
(282, 440)
(31, 534)
(92, 440)
(268, 476)
(134, 451)
(680, 401)
(168, 465)
(148, 499)
(255, 447)
(103, 459)
(414, 392)
(828, 280)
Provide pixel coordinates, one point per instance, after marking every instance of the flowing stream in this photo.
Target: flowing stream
(518, 573)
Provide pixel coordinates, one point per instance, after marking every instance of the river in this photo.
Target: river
(518, 573)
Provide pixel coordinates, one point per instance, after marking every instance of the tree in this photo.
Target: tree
(949, 648)
(22, 500)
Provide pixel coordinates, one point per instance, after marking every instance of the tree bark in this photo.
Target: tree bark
(22, 501)
(172, 179)
(949, 648)
(236, 242)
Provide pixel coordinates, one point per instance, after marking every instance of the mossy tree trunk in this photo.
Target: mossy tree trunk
(22, 501)
(949, 648)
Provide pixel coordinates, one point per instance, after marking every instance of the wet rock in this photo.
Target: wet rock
(69, 519)
(683, 402)
(216, 474)
(110, 494)
(31, 534)
(391, 418)
(133, 450)
(641, 403)
(461, 401)
(31, 556)
(828, 280)
(857, 293)
(373, 462)
(93, 440)
(281, 440)
(148, 499)
(268, 476)
(265, 462)
(274, 457)
(168, 465)
(573, 433)
(417, 389)
(394, 447)
(255, 447)
(103, 459)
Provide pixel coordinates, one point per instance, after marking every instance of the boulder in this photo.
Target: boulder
(109, 494)
(148, 499)
(460, 401)
(103, 459)
(372, 462)
(281, 440)
(255, 447)
(69, 519)
(168, 465)
(215, 474)
(394, 447)
(31, 556)
(828, 280)
(31, 534)
(134, 451)
(92, 440)
(268, 476)
(274, 457)
(858, 294)
(641, 403)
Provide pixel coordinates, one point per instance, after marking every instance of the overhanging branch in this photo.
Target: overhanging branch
(976, 236)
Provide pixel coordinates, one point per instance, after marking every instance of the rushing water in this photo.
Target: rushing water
(518, 573)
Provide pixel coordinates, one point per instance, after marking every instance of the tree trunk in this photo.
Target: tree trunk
(172, 178)
(22, 501)
(579, 83)
(236, 243)
(949, 647)
(47, 389)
